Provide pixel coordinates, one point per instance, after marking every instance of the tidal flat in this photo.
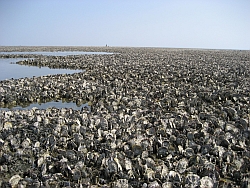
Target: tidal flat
(156, 118)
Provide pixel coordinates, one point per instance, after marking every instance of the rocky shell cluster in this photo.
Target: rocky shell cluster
(159, 118)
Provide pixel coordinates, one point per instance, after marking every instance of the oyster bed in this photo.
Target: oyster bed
(159, 118)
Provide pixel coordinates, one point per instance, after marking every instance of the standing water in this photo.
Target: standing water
(10, 70)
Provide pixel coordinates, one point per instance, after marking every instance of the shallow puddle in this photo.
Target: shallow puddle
(9, 69)
(51, 104)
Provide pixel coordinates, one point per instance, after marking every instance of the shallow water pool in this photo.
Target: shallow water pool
(9, 69)
(57, 104)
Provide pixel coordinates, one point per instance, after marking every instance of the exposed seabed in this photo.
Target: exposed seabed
(159, 118)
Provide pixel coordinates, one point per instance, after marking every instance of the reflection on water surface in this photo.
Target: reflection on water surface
(51, 104)
(9, 69)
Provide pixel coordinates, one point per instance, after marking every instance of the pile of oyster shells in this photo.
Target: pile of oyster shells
(159, 118)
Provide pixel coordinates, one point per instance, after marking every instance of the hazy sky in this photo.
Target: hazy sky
(217, 24)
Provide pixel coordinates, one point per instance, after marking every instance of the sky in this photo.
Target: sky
(209, 24)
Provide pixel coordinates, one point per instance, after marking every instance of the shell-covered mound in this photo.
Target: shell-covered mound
(159, 118)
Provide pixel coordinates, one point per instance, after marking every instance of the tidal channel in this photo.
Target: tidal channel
(10, 70)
